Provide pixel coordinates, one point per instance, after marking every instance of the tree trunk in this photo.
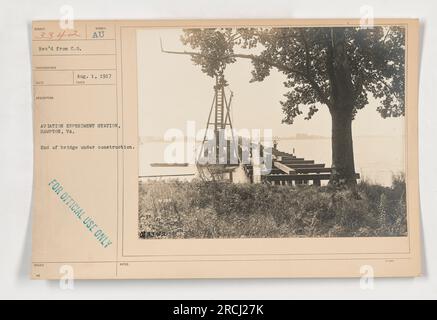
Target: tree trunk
(341, 109)
(343, 165)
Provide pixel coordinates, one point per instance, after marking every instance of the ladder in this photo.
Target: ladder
(219, 118)
(219, 122)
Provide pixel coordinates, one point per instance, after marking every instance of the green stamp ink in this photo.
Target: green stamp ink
(88, 222)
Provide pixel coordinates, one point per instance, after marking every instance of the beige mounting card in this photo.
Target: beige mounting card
(125, 180)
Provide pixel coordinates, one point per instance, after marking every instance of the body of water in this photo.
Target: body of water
(377, 159)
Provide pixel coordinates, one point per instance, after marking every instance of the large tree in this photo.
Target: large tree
(338, 68)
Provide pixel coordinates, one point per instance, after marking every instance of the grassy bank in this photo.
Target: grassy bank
(223, 210)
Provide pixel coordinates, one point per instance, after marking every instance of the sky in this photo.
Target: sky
(172, 91)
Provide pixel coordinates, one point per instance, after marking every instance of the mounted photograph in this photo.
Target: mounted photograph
(204, 149)
(272, 132)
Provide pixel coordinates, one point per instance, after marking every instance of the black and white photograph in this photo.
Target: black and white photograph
(272, 132)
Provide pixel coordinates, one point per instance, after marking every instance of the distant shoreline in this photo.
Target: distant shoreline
(304, 137)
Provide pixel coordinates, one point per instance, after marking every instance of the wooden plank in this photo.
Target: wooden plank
(280, 153)
(288, 158)
(301, 177)
(306, 166)
(313, 170)
(283, 167)
(298, 162)
(295, 166)
(276, 171)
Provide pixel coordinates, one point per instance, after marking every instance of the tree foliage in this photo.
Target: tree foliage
(337, 67)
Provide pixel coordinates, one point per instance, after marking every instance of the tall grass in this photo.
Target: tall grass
(201, 209)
